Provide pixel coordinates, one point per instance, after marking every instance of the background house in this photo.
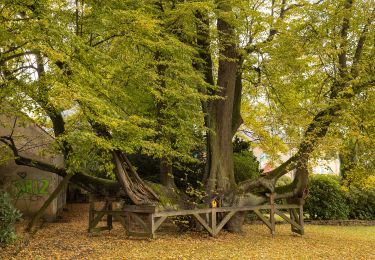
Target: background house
(318, 166)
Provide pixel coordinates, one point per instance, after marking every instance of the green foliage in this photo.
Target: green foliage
(240, 145)
(101, 63)
(326, 199)
(287, 86)
(360, 175)
(245, 166)
(361, 203)
(245, 163)
(8, 217)
(131, 66)
(283, 180)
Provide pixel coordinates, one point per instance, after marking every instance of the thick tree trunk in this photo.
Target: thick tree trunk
(135, 188)
(205, 66)
(165, 166)
(221, 177)
(237, 118)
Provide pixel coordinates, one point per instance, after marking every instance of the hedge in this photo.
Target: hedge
(328, 200)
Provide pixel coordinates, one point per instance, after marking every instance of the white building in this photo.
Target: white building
(318, 166)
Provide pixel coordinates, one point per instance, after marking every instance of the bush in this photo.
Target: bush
(361, 203)
(245, 166)
(8, 217)
(326, 199)
(240, 145)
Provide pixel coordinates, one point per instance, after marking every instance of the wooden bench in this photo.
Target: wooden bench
(144, 221)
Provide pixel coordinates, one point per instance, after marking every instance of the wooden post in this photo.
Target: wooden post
(109, 216)
(151, 222)
(213, 221)
(301, 222)
(91, 211)
(272, 214)
(296, 215)
(293, 217)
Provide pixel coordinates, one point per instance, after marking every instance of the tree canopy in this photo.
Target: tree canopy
(168, 78)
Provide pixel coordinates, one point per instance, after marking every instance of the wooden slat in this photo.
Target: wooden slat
(182, 212)
(224, 221)
(248, 208)
(112, 212)
(198, 211)
(96, 220)
(139, 208)
(158, 223)
(294, 215)
(204, 223)
(146, 228)
(264, 220)
(287, 206)
(209, 210)
(292, 222)
(122, 221)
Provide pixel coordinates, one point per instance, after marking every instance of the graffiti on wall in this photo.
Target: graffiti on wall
(31, 189)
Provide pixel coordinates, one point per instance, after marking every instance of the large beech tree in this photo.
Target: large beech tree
(110, 79)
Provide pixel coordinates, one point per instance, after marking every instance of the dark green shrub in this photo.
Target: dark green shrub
(361, 203)
(240, 145)
(326, 199)
(8, 217)
(245, 166)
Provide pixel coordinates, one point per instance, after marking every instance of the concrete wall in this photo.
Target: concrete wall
(30, 186)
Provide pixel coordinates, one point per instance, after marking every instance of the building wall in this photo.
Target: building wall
(331, 166)
(30, 186)
(319, 166)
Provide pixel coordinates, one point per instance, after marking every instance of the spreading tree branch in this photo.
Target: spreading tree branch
(359, 48)
(89, 183)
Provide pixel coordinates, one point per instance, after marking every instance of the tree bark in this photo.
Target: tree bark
(205, 66)
(237, 118)
(221, 177)
(138, 192)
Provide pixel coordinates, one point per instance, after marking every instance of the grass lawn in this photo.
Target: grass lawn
(70, 240)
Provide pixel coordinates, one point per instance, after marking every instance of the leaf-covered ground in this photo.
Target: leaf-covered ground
(69, 240)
